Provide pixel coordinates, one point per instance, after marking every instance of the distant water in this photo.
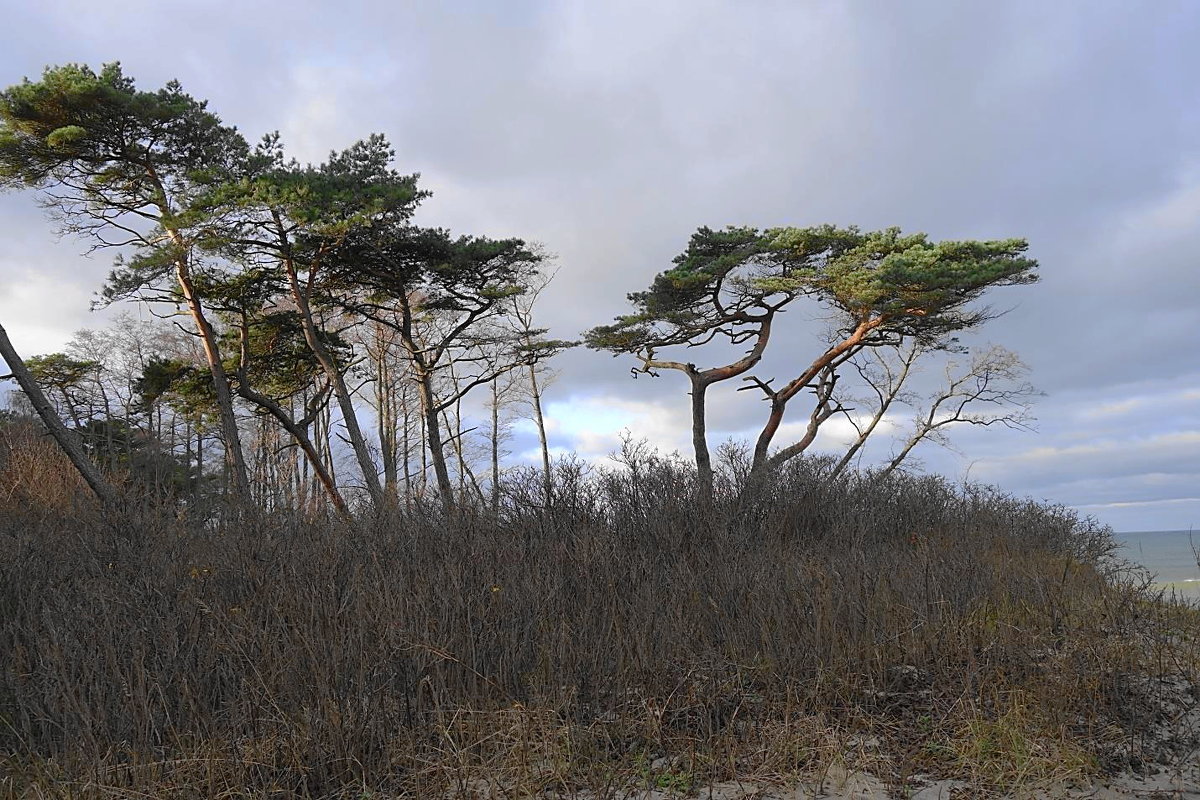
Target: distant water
(1167, 554)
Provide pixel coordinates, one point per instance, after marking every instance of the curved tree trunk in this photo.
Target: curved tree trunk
(701, 380)
(779, 399)
(66, 438)
(302, 441)
(306, 446)
(337, 380)
(235, 460)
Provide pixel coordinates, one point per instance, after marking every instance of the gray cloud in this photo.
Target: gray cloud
(610, 131)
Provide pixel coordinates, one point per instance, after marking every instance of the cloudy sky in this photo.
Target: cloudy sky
(609, 131)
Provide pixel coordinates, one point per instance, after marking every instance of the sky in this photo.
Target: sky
(610, 131)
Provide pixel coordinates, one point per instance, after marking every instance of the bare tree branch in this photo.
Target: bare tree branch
(995, 379)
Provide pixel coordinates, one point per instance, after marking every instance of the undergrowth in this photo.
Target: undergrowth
(618, 636)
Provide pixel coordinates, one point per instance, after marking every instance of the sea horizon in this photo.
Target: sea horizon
(1169, 555)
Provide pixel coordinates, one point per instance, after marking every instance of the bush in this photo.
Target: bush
(617, 636)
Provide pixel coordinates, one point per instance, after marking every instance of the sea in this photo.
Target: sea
(1169, 556)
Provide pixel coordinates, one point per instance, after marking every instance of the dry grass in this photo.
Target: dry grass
(618, 638)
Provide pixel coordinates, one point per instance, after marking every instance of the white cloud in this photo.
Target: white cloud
(1147, 515)
(1117, 408)
(40, 311)
(594, 426)
(1141, 503)
(1125, 456)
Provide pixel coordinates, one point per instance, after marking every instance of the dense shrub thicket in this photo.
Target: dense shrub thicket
(618, 635)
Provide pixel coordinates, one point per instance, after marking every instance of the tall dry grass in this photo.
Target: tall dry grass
(618, 636)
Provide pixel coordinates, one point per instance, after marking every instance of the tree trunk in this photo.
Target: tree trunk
(825, 408)
(189, 476)
(302, 439)
(704, 472)
(386, 404)
(433, 434)
(701, 380)
(779, 400)
(323, 435)
(199, 461)
(66, 438)
(536, 394)
(456, 431)
(235, 461)
(406, 415)
(923, 429)
(358, 442)
(886, 400)
(495, 447)
(903, 454)
(465, 476)
(424, 423)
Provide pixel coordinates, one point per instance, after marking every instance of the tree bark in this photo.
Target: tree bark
(358, 442)
(780, 398)
(66, 438)
(235, 459)
(704, 471)
(536, 395)
(433, 434)
(825, 408)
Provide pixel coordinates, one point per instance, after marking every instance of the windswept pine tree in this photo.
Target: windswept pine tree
(882, 287)
(254, 243)
(289, 220)
(121, 167)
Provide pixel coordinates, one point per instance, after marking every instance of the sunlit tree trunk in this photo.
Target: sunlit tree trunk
(67, 440)
(235, 461)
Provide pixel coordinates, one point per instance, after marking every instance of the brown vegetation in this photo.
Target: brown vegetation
(614, 639)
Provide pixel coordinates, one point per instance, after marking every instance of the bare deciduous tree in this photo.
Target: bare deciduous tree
(991, 390)
(538, 374)
(884, 371)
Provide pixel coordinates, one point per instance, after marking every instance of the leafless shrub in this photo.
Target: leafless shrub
(33, 471)
(617, 636)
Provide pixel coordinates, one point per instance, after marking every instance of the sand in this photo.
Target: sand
(1167, 784)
